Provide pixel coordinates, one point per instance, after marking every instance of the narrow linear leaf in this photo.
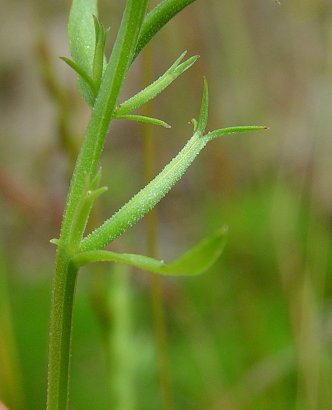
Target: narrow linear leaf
(99, 59)
(194, 262)
(234, 130)
(83, 213)
(152, 90)
(81, 33)
(194, 124)
(158, 18)
(203, 115)
(95, 181)
(97, 25)
(144, 119)
(84, 76)
(178, 60)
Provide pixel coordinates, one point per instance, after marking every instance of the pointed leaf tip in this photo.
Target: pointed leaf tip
(96, 25)
(84, 76)
(177, 61)
(203, 116)
(155, 88)
(143, 119)
(194, 262)
(194, 123)
(234, 130)
(181, 68)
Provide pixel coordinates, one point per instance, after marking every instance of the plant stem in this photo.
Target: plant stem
(114, 75)
(60, 334)
(155, 280)
(86, 165)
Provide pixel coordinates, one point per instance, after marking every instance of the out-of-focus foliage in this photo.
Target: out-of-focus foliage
(255, 331)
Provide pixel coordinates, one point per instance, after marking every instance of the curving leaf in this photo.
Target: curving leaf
(81, 33)
(144, 119)
(157, 19)
(152, 90)
(194, 262)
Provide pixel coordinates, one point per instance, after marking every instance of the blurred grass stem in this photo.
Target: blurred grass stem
(11, 390)
(155, 280)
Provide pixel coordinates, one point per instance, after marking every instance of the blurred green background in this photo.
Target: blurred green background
(255, 332)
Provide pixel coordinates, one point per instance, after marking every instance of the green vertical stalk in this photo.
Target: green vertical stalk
(155, 280)
(86, 165)
(105, 103)
(60, 333)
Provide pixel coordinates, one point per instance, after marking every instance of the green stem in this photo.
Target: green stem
(60, 333)
(114, 75)
(86, 165)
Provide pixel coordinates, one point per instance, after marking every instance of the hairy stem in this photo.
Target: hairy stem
(114, 75)
(60, 333)
(86, 165)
